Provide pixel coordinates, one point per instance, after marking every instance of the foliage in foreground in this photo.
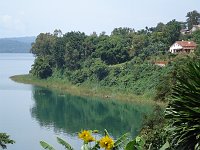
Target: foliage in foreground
(90, 143)
(183, 111)
(4, 140)
(105, 142)
(153, 129)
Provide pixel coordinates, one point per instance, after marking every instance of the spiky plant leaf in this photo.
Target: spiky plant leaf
(122, 141)
(106, 132)
(46, 145)
(183, 111)
(165, 146)
(64, 143)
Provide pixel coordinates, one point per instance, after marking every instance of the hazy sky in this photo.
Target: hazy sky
(31, 17)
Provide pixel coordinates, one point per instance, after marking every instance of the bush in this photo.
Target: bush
(41, 68)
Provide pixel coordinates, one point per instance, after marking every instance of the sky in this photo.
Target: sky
(30, 17)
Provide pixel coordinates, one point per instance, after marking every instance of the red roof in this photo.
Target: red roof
(161, 62)
(187, 44)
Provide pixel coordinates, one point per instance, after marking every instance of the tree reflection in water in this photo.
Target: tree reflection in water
(70, 114)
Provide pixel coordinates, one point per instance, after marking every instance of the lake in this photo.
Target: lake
(29, 113)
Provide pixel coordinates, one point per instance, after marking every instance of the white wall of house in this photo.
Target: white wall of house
(195, 28)
(175, 47)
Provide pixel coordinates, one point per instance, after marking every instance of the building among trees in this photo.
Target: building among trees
(183, 46)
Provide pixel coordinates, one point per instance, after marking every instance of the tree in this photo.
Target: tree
(58, 53)
(192, 18)
(99, 69)
(196, 36)
(172, 32)
(57, 32)
(112, 50)
(74, 49)
(139, 41)
(43, 45)
(122, 31)
(90, 44)
(160, 26)
(41, 68)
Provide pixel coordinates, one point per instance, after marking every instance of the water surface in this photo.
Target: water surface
(30, 113)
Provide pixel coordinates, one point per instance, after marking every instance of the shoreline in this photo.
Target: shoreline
(105, 93)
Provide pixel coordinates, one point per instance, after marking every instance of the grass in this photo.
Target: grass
(105, 93)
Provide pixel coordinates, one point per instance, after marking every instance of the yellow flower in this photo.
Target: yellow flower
(86, 136)
(106, 142)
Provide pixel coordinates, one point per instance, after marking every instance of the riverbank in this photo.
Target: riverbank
(105, 93)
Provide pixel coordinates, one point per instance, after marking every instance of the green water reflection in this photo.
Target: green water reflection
(72, 113)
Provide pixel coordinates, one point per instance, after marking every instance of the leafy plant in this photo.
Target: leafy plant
(183, 111)
(4, 140)
(64, 143)
(86, 135)
(153, 130)
(136, 144)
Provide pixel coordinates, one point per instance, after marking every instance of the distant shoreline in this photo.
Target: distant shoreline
(65, 87)
(16, 52)
(16, 44)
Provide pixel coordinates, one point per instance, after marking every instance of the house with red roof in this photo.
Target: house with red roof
(183, 47)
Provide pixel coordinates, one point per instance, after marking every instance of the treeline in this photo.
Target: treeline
(123, 60)
(16, 45)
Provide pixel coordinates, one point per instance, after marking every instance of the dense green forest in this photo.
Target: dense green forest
(16, 45)
(124, 60)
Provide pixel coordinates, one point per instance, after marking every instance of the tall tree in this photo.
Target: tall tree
(74, 49)
(192, 18)
(172, 32)
(43, 45)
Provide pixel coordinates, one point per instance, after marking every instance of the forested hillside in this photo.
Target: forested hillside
(16, 45)
(124, 60)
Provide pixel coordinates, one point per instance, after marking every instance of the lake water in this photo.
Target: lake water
(30, 114)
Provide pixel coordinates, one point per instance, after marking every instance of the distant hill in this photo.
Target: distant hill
(16, 45)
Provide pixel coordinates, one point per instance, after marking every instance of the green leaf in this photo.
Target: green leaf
(64, 143)
(121, 142)
(85, 147)
(106, 132)
(165, 146)
(46, 145)
(136, 144)
(131, 145)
